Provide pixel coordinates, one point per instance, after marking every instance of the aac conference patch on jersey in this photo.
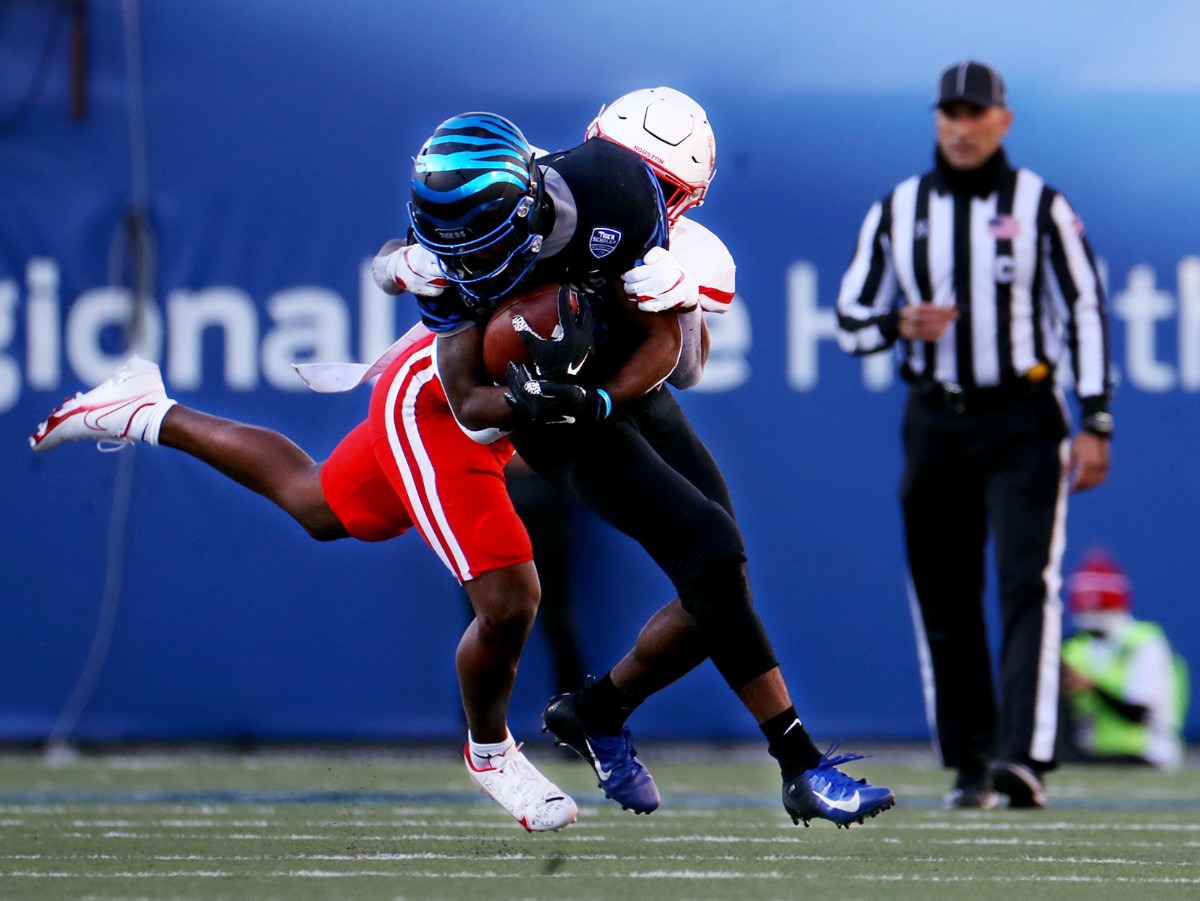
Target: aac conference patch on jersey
(603, 241)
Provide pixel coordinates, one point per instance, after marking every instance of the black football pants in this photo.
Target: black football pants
(968, 475)
(647, 473)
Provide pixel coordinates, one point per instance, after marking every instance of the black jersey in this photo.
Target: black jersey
(606, 210)
(616, 214)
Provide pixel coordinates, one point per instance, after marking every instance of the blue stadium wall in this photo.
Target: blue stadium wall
(147, 598)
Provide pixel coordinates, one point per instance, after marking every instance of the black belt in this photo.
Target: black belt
(959, 400)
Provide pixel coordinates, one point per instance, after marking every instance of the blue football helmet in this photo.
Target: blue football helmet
(476, 193)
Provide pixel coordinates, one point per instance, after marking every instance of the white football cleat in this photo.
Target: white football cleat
(516, 785)
(127, 407)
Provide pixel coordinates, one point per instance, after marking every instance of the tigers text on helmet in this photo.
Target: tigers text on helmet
(670, 131)
(475, 197)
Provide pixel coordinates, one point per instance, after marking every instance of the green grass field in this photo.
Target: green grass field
(402, 825)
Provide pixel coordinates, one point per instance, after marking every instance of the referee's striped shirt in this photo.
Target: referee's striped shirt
(1025, 284)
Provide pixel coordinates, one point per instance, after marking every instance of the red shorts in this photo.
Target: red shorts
(411, 464)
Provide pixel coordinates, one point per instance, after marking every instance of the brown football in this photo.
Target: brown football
(502, 344)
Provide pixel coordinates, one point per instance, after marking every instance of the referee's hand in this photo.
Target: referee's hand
(1089, 461)
(924, 321)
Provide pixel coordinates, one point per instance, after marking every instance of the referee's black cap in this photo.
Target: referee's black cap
(971, 82)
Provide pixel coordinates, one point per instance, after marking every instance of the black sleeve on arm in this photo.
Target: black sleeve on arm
(1135, 713)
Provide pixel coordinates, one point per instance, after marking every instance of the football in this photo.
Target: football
(535, 309)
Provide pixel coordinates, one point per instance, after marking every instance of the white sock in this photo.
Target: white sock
(481, 754)
(147, 421)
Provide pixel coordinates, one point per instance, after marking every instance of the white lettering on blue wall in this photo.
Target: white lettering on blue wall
(1157, 349)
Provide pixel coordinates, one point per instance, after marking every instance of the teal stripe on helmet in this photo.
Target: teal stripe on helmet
(470, 159)
(496, 123)
(483, 141)
(470, 188)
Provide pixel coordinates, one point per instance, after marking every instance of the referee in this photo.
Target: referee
(982, 274)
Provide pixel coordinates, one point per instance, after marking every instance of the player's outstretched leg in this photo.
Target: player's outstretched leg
(514, 783)
(129, 406)
(613, 757)
(826, 793)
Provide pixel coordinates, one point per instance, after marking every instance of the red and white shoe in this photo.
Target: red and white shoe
(127, 407)
(516, 785)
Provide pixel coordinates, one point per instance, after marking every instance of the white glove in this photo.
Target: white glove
(398, 268)
(659, 283)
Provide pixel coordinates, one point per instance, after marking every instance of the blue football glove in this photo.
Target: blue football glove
(547, 402)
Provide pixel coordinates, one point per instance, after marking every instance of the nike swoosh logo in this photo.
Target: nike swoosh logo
(573, 369)
(94, 417)
(601, 771)
(850, 805)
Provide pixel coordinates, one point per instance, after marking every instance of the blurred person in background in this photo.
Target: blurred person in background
(982, 276)
(1125, 688)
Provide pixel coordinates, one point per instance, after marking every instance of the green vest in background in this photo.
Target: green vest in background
(1109, 733)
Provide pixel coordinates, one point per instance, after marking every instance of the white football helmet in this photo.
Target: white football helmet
(670, 131)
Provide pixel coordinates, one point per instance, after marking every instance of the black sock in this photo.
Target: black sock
(789, 743)
(603, 707)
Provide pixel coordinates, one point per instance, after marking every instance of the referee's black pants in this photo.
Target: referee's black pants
(998, 469)
(646, 472)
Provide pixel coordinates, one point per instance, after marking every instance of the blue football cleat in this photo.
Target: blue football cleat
(826, 793)
(614, 758)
